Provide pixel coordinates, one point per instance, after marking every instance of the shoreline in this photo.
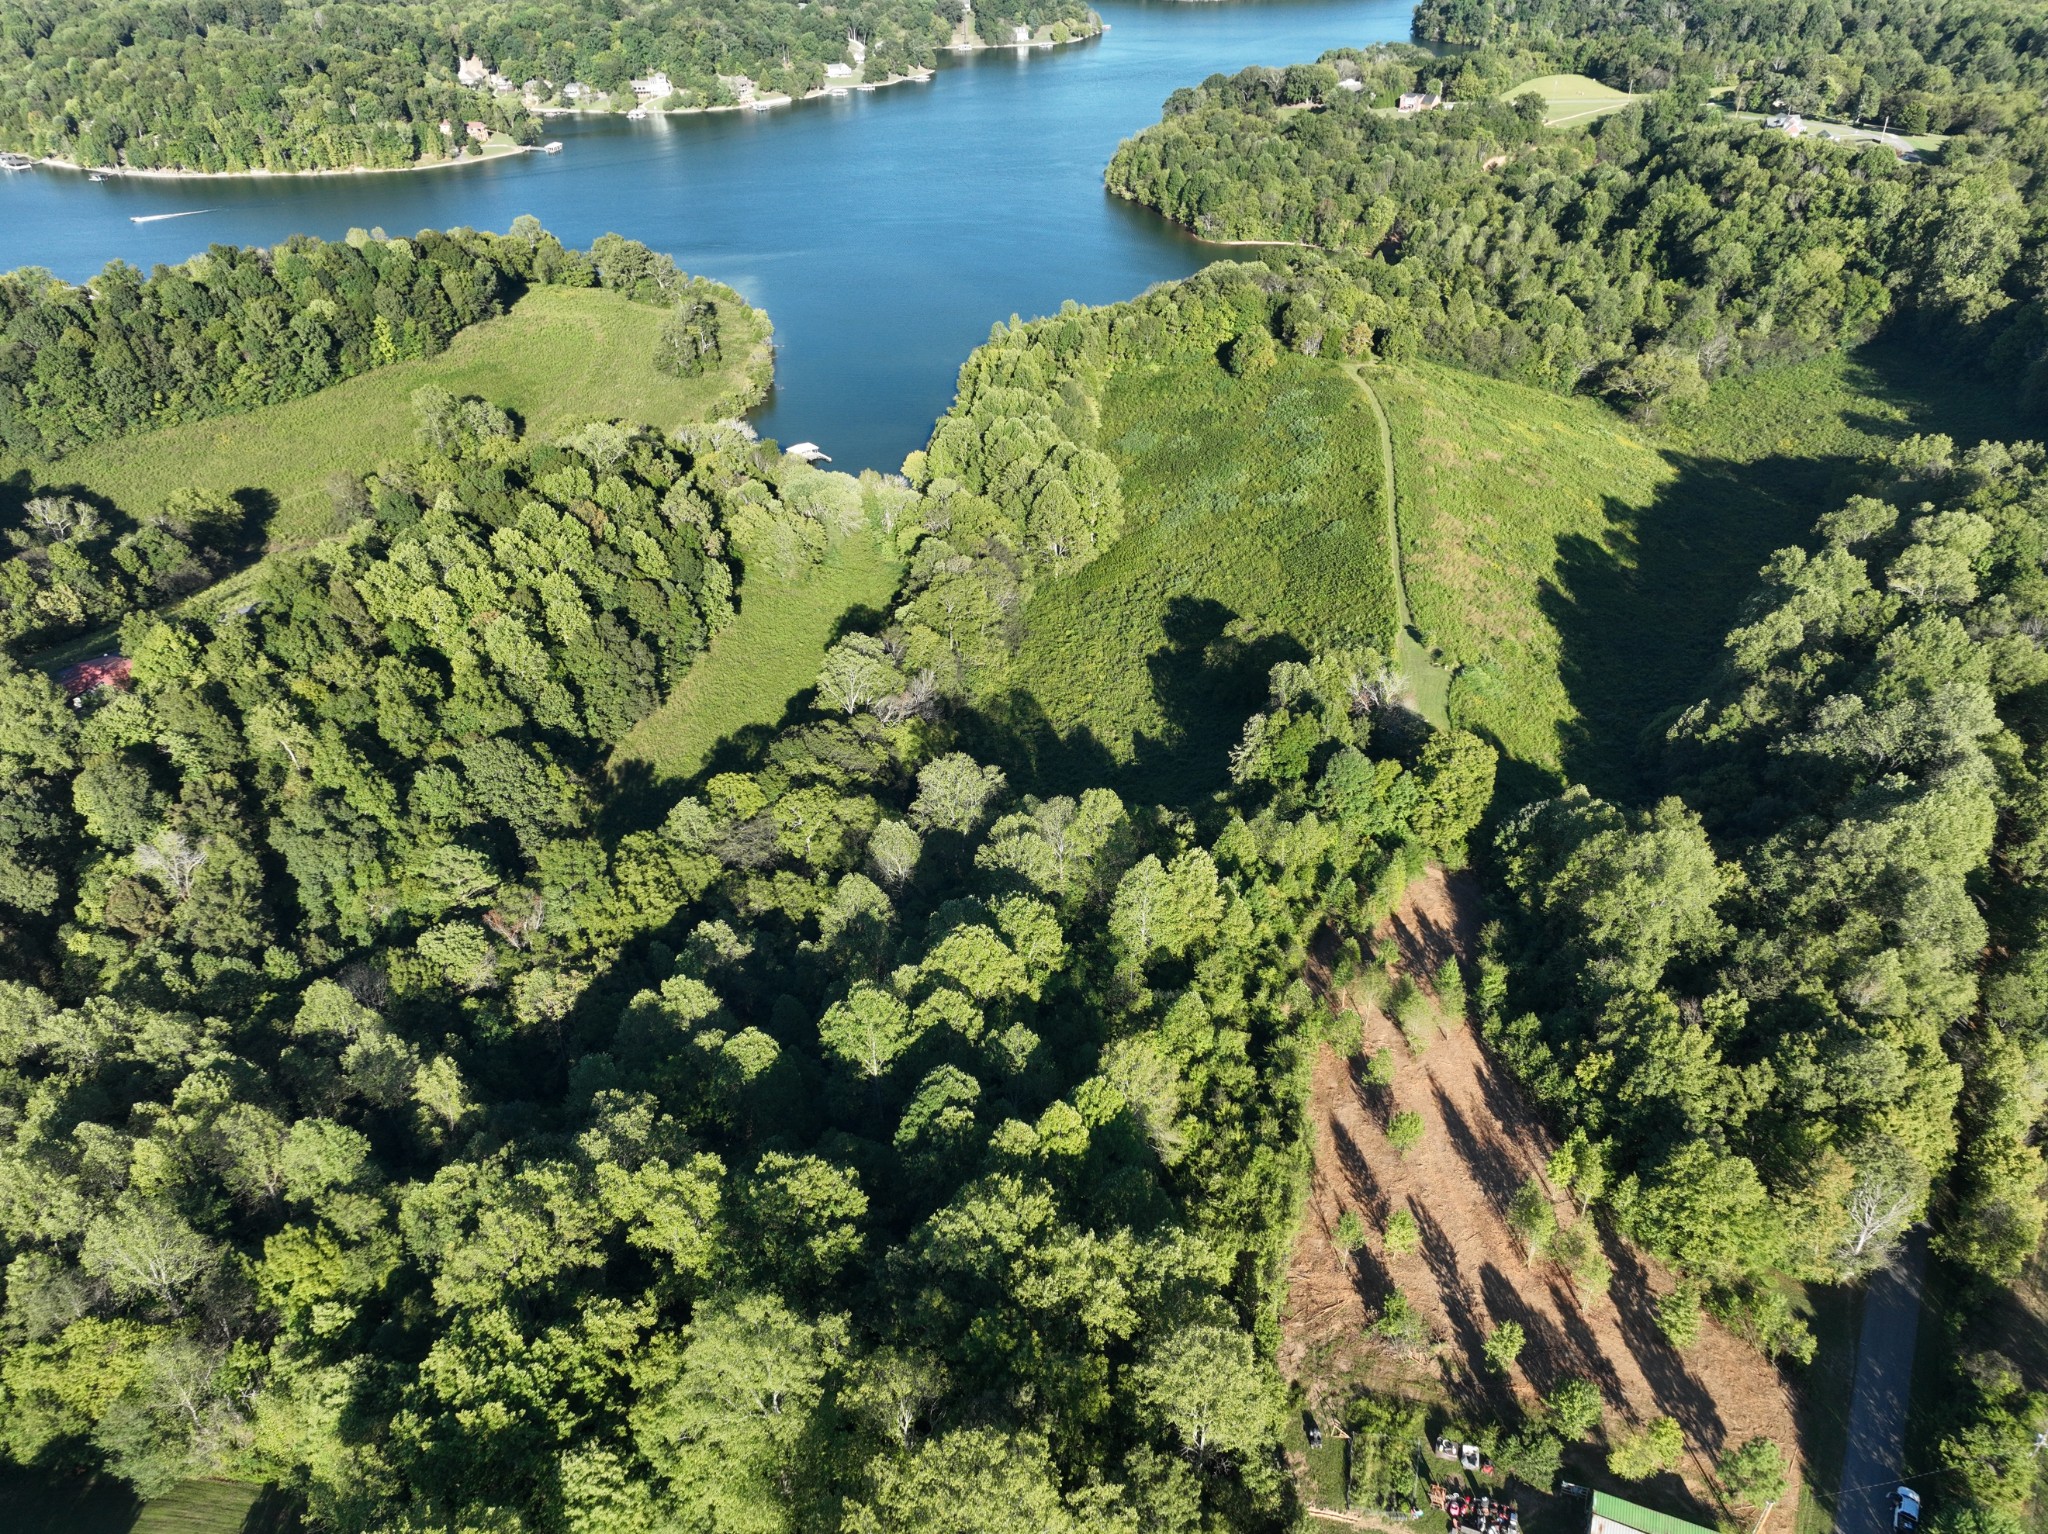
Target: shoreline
(142, 173)
(817, 93)
(1204, 239)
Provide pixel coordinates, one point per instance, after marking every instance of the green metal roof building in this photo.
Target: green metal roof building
(1612, 1515)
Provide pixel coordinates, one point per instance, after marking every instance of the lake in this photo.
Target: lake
(884, 232)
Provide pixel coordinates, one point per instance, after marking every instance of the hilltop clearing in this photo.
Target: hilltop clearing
(1572, 98)
(1256, 532)
(560, 355)
(1582, 569)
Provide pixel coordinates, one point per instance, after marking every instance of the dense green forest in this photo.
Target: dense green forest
(1666, 245)
(1792, 1004)
(858, 1140)
(1953, 66)
(1780, 1006)
(894, 1126)
(287, 85)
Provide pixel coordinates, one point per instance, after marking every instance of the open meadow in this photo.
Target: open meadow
(1257, 533)
(1581, 569)
(560, 355)
(1572, 98)
(767, 657)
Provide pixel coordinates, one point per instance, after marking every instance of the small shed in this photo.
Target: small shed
(89, 676)
(1613, 1515)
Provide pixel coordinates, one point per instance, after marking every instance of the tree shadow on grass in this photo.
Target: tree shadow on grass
(1205, 681)
(1642, 614)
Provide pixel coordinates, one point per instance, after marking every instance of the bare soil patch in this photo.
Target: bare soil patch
(1483, 1141)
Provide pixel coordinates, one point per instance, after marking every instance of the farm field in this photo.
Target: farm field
(1572, 98)
(1481, 1141)
(1582, 570)
(560, 355)
(1256, 533)
(764, 659)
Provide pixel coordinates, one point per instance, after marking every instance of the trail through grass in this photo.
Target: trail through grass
(764, 659)
(560, 355)
(1572, 98)
(1256, 533)
(1428, 682)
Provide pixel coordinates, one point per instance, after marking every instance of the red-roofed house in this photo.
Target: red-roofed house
(91, 675)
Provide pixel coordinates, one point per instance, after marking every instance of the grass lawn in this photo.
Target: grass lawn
(1854, 133)
(767, 657)
(1494, 480)
(1823, 1390)
(1584, 571)
(560, 355)
(1572, 98)
(49, 1504)
(1255, 533)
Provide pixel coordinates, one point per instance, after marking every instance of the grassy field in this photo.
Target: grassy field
(560, 355)
(40, 1504)
(1256, 533)
(1584, 571)
(1495, 480)
(764, 659)
(1572, 98)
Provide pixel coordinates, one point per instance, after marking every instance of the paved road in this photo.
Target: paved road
(1884, 1376)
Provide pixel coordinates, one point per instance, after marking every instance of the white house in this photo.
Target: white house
(472, 71)
(655, 85)
(1790, 124)
(838, 71)
(1420, 101)
(1022, 35)
(1350, 85)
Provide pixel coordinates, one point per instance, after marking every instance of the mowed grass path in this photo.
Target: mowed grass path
(1572, 98)
(560, 355)
(1255, 532)
(767, 656)
(1494, 480)
(1584, 571)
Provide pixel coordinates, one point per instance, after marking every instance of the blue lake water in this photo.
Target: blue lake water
(884, 232)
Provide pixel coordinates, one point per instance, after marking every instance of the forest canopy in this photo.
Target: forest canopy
(289, 85)
(1663, 247)
(400, 1108)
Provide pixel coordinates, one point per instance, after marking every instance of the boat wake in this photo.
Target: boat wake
(156, 218)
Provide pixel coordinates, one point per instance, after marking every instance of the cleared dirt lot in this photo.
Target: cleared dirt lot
(1482, 1142)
